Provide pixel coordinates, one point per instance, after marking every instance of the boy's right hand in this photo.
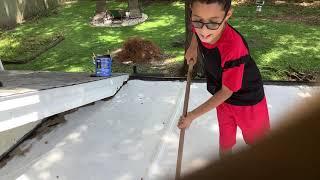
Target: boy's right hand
(191, 55)
(185, 122)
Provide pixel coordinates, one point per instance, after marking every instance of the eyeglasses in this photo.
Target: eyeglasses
(211, 25)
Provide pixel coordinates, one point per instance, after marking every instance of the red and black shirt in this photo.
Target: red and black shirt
(228, 62)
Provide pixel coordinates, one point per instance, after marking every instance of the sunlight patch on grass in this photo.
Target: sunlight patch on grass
(179, 58)
(270, 56)
(8, 42)
(75, 69)
(179, 5)
(151, 25)
(109, 38)
(296, 46)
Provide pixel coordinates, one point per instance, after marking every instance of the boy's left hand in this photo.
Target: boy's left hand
(185, 122)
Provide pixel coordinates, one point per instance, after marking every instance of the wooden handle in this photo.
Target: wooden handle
(184, 113)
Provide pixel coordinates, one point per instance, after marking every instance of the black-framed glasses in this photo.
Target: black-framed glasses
(210, 25)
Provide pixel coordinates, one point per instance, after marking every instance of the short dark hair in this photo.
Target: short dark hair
(226, 4)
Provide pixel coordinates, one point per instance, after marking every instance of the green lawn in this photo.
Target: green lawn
(277, 41)
(274, 43)
(81, 40)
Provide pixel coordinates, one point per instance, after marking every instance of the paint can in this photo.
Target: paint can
(103, 65)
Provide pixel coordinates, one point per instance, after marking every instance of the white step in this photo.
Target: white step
(28, 97)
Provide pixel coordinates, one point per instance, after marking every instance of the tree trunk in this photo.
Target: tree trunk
(198, 68)
(101, 6)
(134, 9)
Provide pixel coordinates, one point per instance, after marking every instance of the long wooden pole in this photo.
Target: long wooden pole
(182, 131)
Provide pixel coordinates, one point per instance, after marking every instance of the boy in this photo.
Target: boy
(232, 75)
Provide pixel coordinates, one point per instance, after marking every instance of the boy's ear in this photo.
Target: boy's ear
(229, 14)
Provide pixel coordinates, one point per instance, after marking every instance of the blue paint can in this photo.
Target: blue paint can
(103, 65)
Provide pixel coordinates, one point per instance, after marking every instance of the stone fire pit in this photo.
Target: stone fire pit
(117, 18)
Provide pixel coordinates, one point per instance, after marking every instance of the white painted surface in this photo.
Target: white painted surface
(133, 136)
(18, 110)
(20, 113)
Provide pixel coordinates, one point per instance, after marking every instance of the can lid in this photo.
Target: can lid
(104, 56)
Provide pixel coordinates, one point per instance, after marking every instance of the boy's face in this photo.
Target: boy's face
(209, 13)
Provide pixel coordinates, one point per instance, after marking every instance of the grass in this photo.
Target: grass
(23, 48)
(278, 41)
(81, 40)
(276, 38)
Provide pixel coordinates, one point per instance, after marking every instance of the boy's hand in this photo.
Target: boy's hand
(185, 122)
(192, 52)
(191, 55)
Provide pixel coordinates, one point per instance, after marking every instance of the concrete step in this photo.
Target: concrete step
(27, 97)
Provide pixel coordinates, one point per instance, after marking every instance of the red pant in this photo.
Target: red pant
(252, 120)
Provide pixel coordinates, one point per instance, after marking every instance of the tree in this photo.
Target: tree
(101, 7)
(134, 8)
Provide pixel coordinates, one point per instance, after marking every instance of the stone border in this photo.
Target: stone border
(125, 23)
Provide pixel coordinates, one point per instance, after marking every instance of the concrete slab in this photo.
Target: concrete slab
(27, 97)
(134, 135)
